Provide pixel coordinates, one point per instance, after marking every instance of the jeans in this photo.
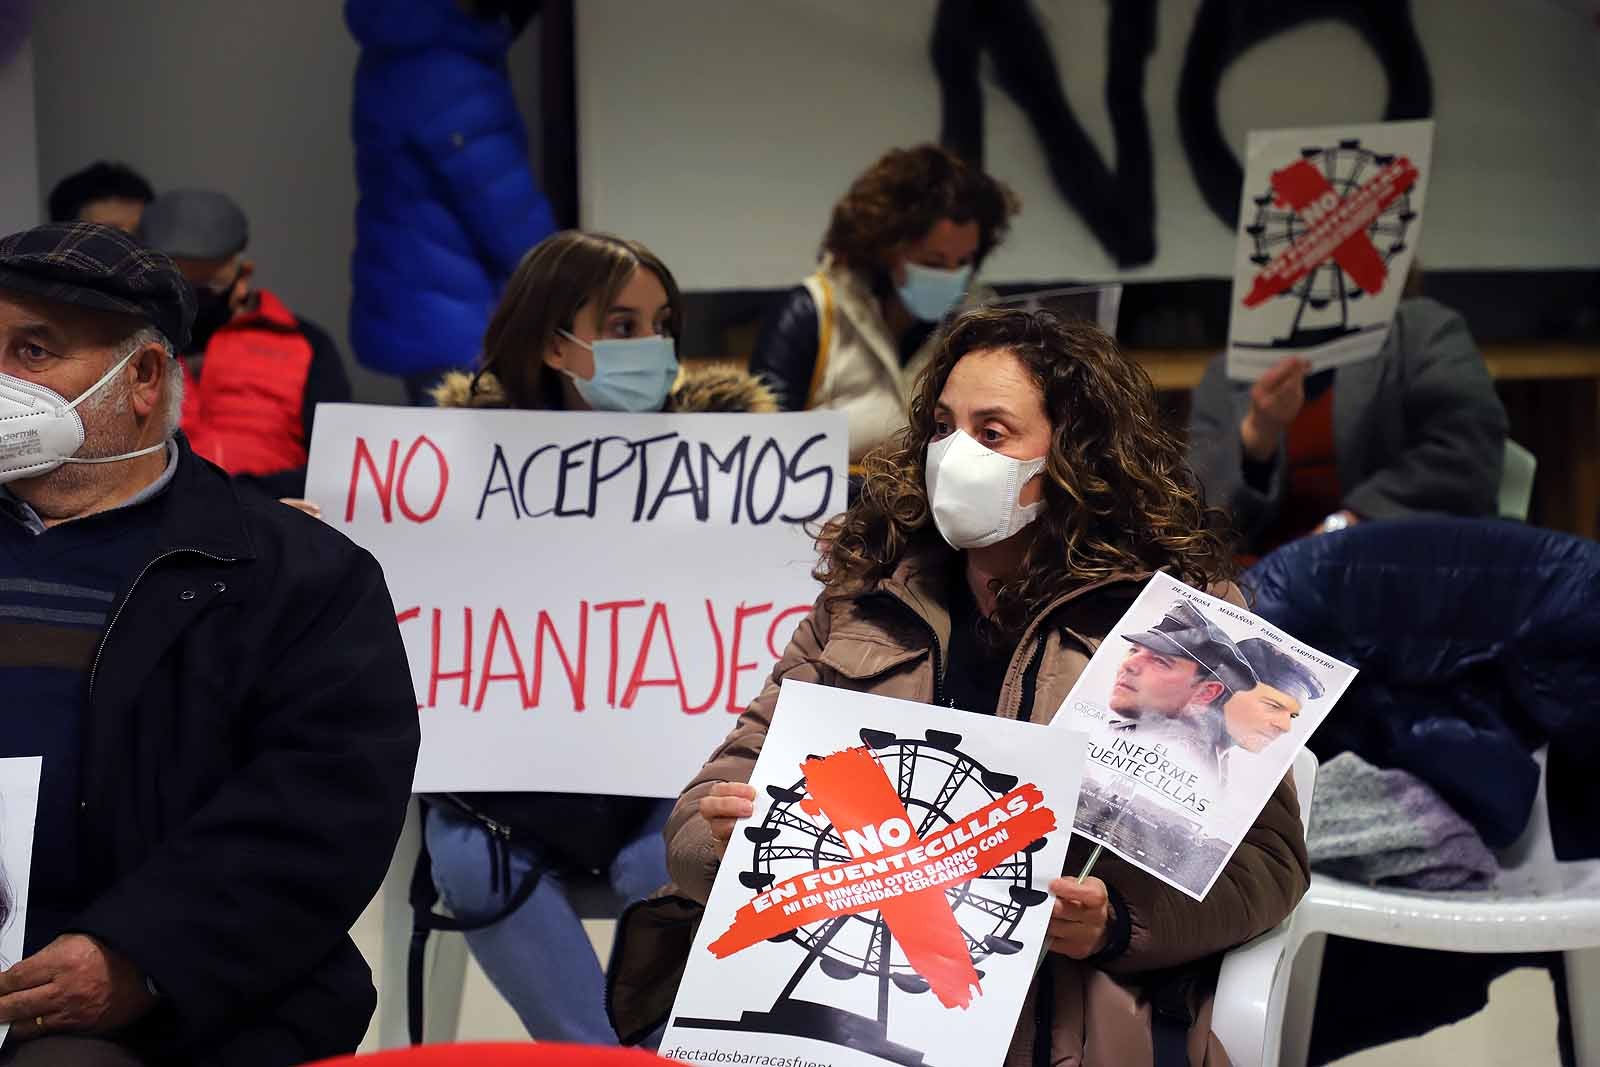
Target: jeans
(539, 957)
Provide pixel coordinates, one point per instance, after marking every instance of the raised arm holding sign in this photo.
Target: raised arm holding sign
(1344, 395)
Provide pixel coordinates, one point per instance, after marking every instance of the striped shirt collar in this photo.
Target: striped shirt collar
(23, 515)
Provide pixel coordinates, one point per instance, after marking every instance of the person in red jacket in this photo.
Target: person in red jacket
(254, 372)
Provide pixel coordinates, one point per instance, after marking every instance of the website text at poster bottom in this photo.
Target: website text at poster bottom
(756, 1059)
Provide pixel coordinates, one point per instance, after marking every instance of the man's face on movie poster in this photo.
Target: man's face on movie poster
(1153, 683)
(1258, 717)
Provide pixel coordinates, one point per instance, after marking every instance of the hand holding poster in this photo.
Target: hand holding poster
(1329, 222)
(587, 599)
(888, 901)
(1195, 710)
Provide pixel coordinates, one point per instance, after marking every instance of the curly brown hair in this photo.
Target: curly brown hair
(902, 195)
(1119, 495)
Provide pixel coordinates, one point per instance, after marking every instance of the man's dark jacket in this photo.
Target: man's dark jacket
(248, 755)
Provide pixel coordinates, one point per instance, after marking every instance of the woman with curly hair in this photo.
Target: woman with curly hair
(992, 547)
(899, 255)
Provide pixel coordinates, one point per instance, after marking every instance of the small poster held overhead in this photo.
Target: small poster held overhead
(888, 901)
(1195, 710)
(1329, 223)
(1099, 304)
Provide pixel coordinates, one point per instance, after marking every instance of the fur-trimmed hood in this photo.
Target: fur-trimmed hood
(711, 387)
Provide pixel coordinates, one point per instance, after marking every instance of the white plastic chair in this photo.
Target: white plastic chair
(445, 969)
(1516, 482)
(1537, 905)
(1247, 1011)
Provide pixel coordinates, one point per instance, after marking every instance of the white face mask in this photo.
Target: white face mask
(973, 491)
(632, 374)
(40, 429)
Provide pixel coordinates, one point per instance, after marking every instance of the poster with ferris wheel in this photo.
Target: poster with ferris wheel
(888, 901)
(1329, 222)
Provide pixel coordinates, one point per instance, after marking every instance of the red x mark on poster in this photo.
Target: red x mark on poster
(1337, 228)
(851, 789)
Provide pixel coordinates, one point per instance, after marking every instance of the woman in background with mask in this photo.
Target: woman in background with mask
(586, 323)
(899, 255)
(992, 547)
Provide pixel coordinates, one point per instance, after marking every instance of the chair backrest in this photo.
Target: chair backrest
(1305, 781)
(1516, 482)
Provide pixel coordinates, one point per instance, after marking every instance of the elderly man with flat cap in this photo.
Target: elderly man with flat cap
(255, 370)
(1171, 687)
(215, 684)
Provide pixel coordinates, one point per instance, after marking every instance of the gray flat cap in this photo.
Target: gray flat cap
(194, 224)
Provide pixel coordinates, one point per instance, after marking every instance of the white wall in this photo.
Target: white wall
(721, 131)
(19, 168)
(250, 98)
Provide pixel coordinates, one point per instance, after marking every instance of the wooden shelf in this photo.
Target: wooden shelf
(1180, 368)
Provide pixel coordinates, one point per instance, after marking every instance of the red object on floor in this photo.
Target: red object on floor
(524, 1054)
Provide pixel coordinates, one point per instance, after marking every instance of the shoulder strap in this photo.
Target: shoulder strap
(821, 291)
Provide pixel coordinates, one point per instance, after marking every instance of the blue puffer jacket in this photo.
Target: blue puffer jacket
(1478, 641)
(448, 199)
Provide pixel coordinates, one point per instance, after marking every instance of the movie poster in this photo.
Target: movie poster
(19, 804)
(1195, 709)
(888, 901)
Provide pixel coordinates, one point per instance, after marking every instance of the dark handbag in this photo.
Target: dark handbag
(579, 831)
(573, 830)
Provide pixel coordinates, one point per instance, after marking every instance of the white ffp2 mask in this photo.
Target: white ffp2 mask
(40, 429)
(973, 491)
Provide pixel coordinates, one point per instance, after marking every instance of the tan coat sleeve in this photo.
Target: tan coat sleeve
(1262, 882)
(692, 854)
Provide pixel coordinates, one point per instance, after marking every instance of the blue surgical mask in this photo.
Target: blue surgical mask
(634, 374)
(929, 293)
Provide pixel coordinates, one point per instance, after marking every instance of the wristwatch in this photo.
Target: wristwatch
(1337, 521)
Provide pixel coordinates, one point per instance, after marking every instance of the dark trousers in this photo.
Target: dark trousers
(62, 1050)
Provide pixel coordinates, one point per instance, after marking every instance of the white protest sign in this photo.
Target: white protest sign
(1329, 222)
(587, 600)
(1195, 710)
(888, 901)
(19, 806)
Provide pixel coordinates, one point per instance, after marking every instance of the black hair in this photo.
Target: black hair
(98, 181)
(517, 12)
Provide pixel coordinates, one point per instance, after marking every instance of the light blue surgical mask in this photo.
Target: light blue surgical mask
(929, 293)
(632, 374)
